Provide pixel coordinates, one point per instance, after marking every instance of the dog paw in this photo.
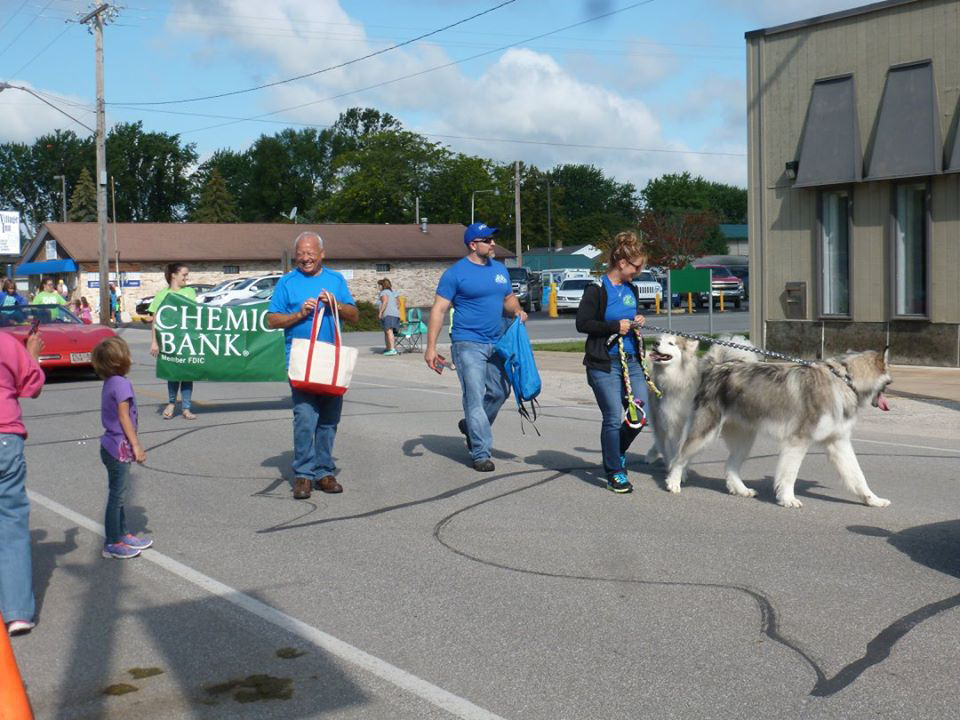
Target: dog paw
(673, 487)
(742, 492)
(874, 501)
(790, 502)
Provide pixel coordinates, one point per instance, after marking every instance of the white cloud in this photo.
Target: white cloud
(25, 117)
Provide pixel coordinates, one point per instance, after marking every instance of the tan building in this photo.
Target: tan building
(412, 256)
(854, 182)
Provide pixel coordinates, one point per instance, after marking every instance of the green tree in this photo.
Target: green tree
(591, 206)
(232, 166)
(216, 203)
(83, 202)
(151, 170)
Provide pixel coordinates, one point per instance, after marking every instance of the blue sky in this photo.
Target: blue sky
(665, 76)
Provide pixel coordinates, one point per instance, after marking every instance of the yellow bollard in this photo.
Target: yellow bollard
(721, 302)
(657, 301)
(552, 302)
(690, 303)
(402, 307)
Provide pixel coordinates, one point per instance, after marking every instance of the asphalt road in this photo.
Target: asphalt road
(427, 590)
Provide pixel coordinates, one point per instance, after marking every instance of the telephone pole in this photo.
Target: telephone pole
(516, 205)
(95, 20)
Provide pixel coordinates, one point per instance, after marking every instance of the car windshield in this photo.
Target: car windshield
(645, 276)
(517, 273)
(264, 294)
(717, 269)
(14, 315)
(577, 284)
(220, 287)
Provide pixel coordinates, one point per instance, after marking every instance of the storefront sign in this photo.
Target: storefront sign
(9, 233)
(217, 343)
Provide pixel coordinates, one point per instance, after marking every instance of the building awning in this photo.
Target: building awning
(908, 141)
(830, 151)
(49, 267)
(953, 162)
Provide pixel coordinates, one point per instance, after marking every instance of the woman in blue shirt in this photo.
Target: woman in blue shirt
(606, 309)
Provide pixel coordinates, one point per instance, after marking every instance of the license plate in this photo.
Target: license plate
(79, 358)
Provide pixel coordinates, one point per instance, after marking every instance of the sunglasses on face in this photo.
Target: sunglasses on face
(486, 241)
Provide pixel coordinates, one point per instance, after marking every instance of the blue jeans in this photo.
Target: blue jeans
(16, 569)
(118, 477)
(485, 388)
(315, 420)
(186, 392)
(616, 435)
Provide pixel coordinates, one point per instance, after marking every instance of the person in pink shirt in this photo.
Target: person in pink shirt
(20, 376)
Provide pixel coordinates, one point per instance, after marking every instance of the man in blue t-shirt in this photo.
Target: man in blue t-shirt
(315, 417)
(479, 290)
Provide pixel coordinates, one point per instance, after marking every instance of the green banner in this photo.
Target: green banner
(690, 280)
(217, 343)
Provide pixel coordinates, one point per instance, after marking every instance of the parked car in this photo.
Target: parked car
(144, 303)
(724, 283)
(559, 275)
(570, 292)
(239, 289)
(261, 297)
(528, 287)
(647, 288)
(67, 342)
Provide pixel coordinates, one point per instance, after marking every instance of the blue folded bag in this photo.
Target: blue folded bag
(521, 370)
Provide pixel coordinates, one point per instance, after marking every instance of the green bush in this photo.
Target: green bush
(368, 318)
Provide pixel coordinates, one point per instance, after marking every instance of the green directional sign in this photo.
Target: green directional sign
(690, 280)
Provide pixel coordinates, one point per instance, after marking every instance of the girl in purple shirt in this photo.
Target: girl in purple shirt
(119, 445)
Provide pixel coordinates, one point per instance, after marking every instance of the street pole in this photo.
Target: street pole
(549, 229)
(473, 197)
(116, 243)
(63, 193)
(516, 205)
(96, 20)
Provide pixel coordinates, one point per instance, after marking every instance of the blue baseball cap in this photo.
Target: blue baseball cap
(477, 231)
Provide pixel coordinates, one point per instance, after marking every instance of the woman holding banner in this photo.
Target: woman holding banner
(176, 275)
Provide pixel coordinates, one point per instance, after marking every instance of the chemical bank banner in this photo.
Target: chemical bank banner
(219, 344)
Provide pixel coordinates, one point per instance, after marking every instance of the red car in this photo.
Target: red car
(67, 342)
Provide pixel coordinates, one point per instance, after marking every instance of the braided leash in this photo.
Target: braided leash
(738, 346)
(633, 414)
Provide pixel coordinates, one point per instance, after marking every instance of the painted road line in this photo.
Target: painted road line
(437, 696)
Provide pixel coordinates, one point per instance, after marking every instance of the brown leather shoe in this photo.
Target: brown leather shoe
(301, 488)
(329, 484)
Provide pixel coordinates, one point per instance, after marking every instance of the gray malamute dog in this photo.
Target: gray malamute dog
(796, 404)
(677, 370)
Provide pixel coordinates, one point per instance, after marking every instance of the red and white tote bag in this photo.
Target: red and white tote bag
(321, 368)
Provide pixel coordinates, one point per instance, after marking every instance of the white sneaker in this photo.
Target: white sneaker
(19, 627)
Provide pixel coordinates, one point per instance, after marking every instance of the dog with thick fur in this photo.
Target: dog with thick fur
(676, 370)
(798, 405)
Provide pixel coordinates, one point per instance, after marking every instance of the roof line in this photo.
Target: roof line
(829, 17)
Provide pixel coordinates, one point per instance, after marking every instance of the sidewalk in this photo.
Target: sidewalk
(912, 381)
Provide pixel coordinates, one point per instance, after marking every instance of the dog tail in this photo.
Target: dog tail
(722, 353)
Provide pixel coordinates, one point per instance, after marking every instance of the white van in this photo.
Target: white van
(558, 275)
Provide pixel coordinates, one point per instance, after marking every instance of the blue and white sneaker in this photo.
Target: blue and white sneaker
(618, 483)
(119, 550)
(136, 542)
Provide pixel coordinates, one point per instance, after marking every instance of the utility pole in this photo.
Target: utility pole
(516, 206)
(116, 243)
(63, 194)
(95, 21)
(549, 229)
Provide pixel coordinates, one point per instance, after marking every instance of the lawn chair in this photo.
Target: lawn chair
(408, 337)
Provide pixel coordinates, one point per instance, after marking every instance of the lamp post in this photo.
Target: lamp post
(63, 193)
(473, 198)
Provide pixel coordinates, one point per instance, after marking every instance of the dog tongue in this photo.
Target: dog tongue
(882, 402)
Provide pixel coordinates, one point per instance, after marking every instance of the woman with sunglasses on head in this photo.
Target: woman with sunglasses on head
(606, 309)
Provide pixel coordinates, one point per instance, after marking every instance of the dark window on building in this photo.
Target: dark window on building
(383, 267)
(834, 252)
(231, 269)
(910, 240)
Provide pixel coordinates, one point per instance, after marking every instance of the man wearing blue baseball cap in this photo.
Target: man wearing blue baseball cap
(478, 288)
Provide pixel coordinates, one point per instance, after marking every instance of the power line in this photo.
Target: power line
(416, 74)
(45, 48)
(25, 27)
(326, 69)
(16, 12)
(458, 137)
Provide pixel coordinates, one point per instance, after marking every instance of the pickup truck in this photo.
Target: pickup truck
(528, 287)
(725, 283)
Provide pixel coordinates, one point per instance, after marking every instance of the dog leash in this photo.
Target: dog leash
(633, 414)
(739, 346)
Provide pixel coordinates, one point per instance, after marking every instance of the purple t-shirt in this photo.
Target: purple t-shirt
(116, 389)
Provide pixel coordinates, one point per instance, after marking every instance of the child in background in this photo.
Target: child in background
(76, 308)
(119, 445)
(86, 314)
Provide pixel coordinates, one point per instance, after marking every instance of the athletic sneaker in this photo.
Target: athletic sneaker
(135, 542)
(619, 483)
(119, 550)
(19, 627)
(462, 427)
(390, 352)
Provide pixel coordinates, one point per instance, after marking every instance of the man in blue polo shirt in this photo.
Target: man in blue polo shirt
(478, 288)
(315, 417)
